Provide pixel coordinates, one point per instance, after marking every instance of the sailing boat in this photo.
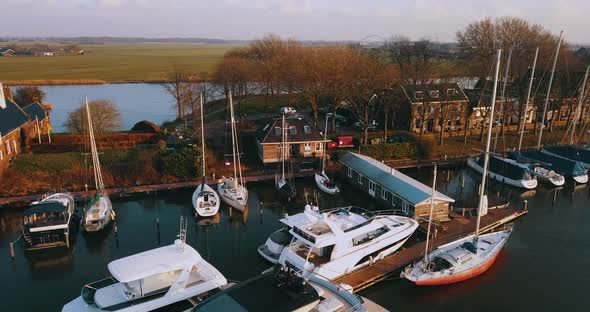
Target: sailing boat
(467, 257)
(232, 190)
(286, 188)
(205, 199)
(321, 178)
(99, 211)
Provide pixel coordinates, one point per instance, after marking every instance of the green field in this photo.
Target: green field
(114, 63)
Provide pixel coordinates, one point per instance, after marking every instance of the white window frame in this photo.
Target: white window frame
(1, 153)
(349, 172)
(384, 192)
(372, 188)
(307, 147)
(318, 147)
(419, 95)
(359, 178)
(14, 144)
(8, 151)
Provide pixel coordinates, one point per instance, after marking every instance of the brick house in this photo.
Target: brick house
(19, 126)
(303, 140)
(431, 108)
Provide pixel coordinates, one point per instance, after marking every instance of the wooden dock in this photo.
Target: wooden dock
(457, 227)
(126, 191)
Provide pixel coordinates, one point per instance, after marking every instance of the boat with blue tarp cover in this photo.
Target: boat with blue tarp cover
(505, 170)
(572, 152)
(569, 168)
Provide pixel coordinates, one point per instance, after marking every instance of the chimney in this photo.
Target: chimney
(2, 99)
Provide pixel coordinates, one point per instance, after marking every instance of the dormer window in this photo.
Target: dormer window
(277, 130)
(451, 91)
(434, 94)
(307, 129)
(419, 95)
(292, 130)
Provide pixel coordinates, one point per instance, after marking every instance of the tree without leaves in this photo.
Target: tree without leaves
(24, 96)
(174, 87)
(105, 117)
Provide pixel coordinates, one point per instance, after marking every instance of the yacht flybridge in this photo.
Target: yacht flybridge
(48, 222)
(233, 192)
(150, 280)
(205, 199)
(99, 211)
(339, 241)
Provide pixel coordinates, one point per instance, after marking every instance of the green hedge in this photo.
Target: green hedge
(181, 163)
(391, 151)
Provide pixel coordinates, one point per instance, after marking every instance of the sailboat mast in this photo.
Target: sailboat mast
(486, 155)
(202, 136)
(528, 96)
(430, 215)
(506, 71)
(95, 161)
(233, 139)
(580, 101)
(284, 149)
(325, 145)
(548, 91)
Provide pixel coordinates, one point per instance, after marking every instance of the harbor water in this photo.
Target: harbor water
(544, 266)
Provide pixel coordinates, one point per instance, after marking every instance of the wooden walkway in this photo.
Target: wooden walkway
(124, 191)
(417, 163)
(457, 227)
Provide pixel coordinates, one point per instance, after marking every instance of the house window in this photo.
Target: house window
(292, 130)
(349, 172)
(418, 94)
(14, 144)
(371, 188)
(307, 147)
(360, 179)
(418, 123)
(277, 130)
(450, 91)
(397, 201)
(384, 193)
(318, 147)
(7, 143)
(434, 94)
(448, 123)
(307, 129)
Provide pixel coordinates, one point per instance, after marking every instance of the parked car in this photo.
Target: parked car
(345, 141)
(332, 145)
(371, 126)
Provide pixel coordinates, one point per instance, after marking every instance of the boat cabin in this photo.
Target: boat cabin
(46, 223)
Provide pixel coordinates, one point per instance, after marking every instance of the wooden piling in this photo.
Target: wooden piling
(12, 250)
(525, 205)
(68, 240)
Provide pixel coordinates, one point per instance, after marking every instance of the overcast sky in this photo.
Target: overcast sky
(300, 19)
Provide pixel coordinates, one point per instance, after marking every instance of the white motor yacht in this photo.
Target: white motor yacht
(277, 241)
(342, 240)
(150, 280)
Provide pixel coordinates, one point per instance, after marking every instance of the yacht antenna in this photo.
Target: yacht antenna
(548, 91)
(528, 96)
(486, 154)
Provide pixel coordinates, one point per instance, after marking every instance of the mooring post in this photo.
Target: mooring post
(525, 205)
(12, 250)
(68, 240)
(554, 197)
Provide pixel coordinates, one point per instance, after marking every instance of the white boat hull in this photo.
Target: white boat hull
(236, 198)
(205, 201)
(545, 176)
(324, 184)
(581, 179)
(527, 184)
(99, 216)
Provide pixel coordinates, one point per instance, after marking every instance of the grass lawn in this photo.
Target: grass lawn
(114, 63)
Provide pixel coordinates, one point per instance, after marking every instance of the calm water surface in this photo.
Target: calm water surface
(543, 267)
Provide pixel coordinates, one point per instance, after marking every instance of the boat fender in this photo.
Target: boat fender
(371, 261)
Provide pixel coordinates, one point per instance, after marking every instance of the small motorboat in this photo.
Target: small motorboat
(325, 184)
(547, 175)
(48, 223)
